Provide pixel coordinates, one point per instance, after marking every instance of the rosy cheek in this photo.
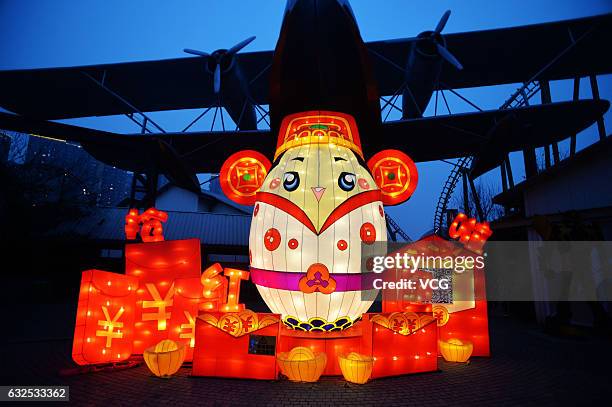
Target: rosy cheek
(274, 183)
(363, 183)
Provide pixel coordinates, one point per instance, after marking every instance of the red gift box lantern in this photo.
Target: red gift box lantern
(239, 345)
(400, 348)
(104, 330)
(187, 299)
(467, 318)
(157, 265)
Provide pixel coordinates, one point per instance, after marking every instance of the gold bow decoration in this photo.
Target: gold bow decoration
(404, 323)
(239, 323)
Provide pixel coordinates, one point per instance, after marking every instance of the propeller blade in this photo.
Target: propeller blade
(236, 48)
(442, 22)
(450, 58)
(196, 52)
(217, 83)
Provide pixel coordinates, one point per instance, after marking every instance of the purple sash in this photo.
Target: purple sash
(290, 281)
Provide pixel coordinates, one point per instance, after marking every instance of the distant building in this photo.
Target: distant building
(570, 201)
(101, 184)
(579, 185)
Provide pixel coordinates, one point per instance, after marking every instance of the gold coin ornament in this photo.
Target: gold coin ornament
(398, 323)
(440, 313)
(230, 323)
(249, 321)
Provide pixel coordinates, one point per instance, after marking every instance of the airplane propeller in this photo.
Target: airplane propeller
(436, 38)
(222, 59)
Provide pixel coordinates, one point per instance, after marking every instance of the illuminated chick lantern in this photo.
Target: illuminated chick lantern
(165, 358)
(313, 209)
(301, 364)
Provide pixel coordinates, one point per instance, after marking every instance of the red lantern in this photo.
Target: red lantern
(157, 266)
(467, 318)
(187, 298)
(396, 352)
(214, 288)
(473, 235)
(242, 174)
(395, 174)
(104, 330)
(151, 220)
(240, 345)
(132, 224)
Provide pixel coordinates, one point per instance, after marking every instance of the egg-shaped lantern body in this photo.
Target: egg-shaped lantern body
(313, 212)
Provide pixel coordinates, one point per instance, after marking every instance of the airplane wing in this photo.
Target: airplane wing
(489, 57)
(190, 152)
(482, 133)
(170, 84)
(507, 55)
(182, 155)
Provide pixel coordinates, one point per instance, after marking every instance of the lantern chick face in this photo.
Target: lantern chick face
(314, 211)
(318, 178)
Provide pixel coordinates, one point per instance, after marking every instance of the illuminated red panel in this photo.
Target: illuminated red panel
(219, 353)
(187, 299)
(467, 325)
(104, 330)
(157, 265)
(472, 324)
(396, 354)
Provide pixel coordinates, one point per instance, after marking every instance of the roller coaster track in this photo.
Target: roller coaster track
(393, 229)
(517, 99)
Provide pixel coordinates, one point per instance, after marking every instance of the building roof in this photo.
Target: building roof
(209, 195)
(514, 196)
(211, 228)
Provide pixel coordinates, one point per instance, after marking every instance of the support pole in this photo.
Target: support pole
(531, 165)
(509, 172)
(466, 199)
(476, 198)
(504, 180)
(600, 123)
(576, 96)
(546, 99)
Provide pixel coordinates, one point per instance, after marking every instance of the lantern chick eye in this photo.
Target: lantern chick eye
(346, 181)
(291, 181)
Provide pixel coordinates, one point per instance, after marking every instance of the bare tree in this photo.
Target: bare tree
(19, 146)
(486, 192)
(541, 160)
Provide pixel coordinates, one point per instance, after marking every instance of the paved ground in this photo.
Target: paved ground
(527, 368)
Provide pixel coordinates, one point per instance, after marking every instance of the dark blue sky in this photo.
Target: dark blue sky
(47, 33)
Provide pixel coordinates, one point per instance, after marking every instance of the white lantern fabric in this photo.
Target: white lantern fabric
(317, 205)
